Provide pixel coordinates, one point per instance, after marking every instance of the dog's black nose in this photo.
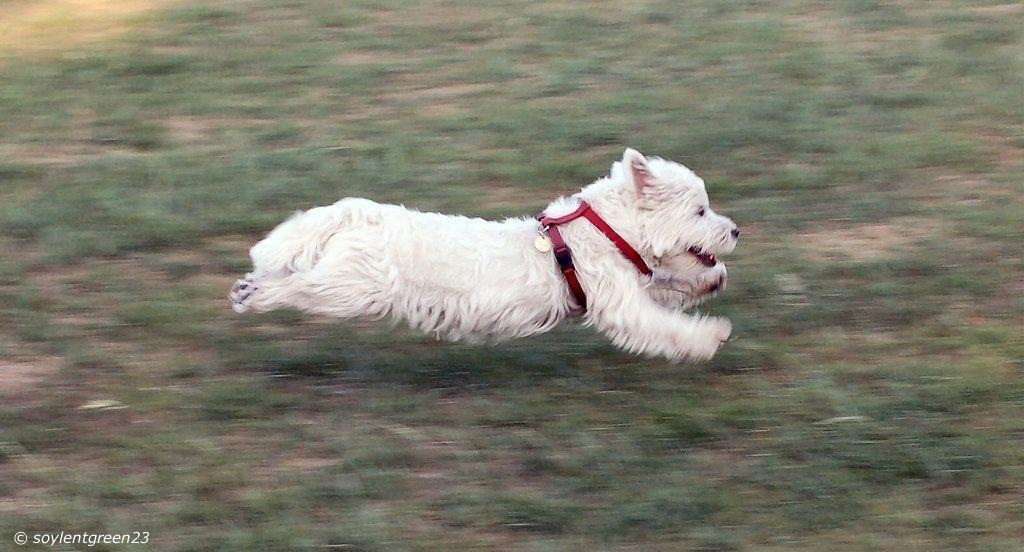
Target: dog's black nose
(736, 232)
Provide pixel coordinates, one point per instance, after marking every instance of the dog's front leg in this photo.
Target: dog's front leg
(640, 325)
(673, 290)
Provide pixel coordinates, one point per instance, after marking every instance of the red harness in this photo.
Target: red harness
(563, 255)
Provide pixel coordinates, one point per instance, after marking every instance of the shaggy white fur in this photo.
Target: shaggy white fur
(468, 278)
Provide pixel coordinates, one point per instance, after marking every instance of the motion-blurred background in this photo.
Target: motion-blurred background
(870, 150)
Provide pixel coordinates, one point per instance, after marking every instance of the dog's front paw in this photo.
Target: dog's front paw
(714, 332)
(710, 282)
(240, 293)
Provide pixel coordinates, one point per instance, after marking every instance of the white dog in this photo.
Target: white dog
(468, 278)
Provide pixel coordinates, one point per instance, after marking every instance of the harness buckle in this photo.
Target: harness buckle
(563, 256)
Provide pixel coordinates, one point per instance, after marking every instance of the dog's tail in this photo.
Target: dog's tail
(297, 244)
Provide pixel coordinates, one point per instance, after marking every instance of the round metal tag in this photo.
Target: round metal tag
(542, 243)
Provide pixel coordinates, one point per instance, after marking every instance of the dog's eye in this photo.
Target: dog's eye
(700, 212)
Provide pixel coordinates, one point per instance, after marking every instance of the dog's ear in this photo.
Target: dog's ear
(636, 164)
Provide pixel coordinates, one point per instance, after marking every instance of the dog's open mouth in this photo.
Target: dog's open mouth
(707, 259)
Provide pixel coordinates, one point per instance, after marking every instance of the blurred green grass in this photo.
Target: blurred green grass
(870, 150)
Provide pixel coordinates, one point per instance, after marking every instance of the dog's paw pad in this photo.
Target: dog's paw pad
(241, 292)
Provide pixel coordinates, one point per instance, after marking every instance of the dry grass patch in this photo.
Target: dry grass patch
(41, 29)
(19, 377)
(868, 242)
(199, 131)
(65, 154)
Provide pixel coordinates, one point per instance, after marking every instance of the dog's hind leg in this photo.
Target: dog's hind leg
(354, 299)
(266, 293)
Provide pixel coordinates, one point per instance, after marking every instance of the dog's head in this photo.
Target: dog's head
(673, 210)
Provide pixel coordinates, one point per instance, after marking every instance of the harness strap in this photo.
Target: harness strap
(620, 242)
(563, 255)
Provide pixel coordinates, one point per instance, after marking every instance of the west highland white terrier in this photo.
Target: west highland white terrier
(471, 279)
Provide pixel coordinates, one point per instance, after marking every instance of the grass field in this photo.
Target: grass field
(871, 151)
